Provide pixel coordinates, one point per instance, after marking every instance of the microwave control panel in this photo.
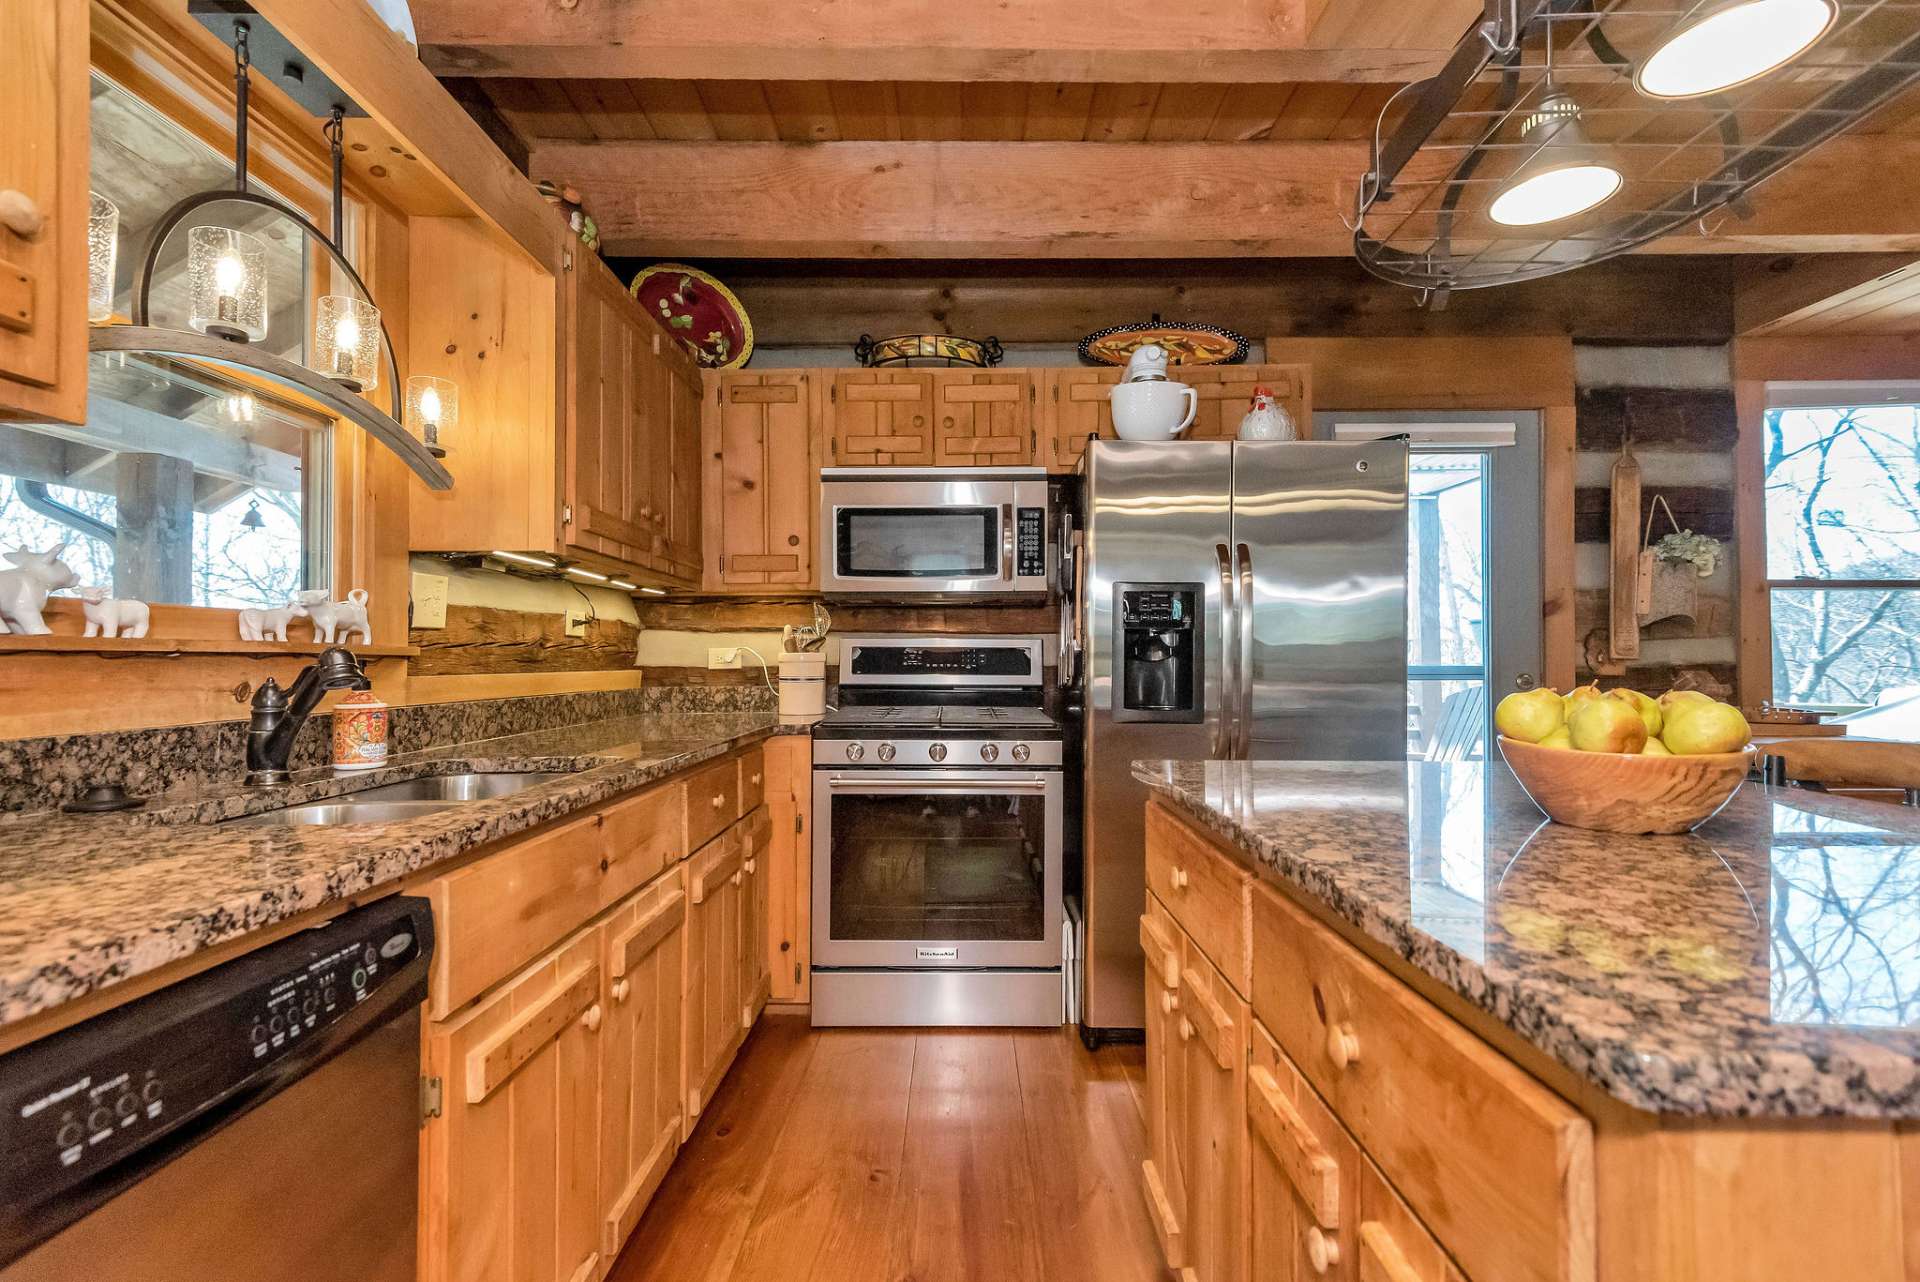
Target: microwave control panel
(1030, 542)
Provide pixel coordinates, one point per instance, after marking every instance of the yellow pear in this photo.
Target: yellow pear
(1530, 715)
(1607, 725)
(1696, 729)
(1559, 739)
(1655, 748)
(1674, 698)
(1579, 695)
(1647, 707)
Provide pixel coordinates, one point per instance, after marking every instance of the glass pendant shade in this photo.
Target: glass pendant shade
(1564, 176)
(103, 249)
(346, 344)
(433, 411)
(227, 277)
(1718, 46)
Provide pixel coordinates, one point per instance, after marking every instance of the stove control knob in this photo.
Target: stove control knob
(989, 752)
(885, 752)
(1021, 752)
(855, 752)
(937, 752)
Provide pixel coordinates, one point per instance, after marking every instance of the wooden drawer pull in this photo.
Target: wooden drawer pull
(1381, 1259)
(1161, 954)
(718, 800)
(1216, 1025)
(591, 1019)
(1312, 1171)
(1323, 1249)
(754, 779)
(1343, 1046)
(1178, 878)
(1186, 1030)
(621, 988)
(1169, 1001)
(750, 866)
(631, 948)
(735, 879)
(495, 1060)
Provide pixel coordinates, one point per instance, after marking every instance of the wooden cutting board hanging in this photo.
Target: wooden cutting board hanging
(1623, 553)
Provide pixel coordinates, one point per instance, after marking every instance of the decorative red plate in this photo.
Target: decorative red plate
(1186, 344)
(702, 314)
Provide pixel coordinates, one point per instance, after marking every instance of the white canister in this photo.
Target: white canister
(803, 685)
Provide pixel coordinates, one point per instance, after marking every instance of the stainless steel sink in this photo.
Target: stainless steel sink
(473, 787)
(405, 800)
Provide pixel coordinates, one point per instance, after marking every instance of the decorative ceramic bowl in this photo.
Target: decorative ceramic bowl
(1615, 792)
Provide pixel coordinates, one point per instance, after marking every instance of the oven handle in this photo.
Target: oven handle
(977, 782)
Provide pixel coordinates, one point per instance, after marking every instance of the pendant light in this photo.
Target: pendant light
(103, 251)
(433, 411)
(346, 333)
(1565, 175)
(1720, 45)
(227, 284)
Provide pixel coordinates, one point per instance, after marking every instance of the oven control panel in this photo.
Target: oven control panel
(77, 1102)
(953, 754)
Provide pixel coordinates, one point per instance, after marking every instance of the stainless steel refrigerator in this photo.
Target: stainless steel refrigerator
(1231, 601)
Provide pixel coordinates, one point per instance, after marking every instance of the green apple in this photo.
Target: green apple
(1530, 715)
(1559, 740)
(1655, 748)
(1696, 729)
(1607, 725)
(1647, 707)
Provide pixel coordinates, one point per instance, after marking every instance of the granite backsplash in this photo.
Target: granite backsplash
(178, 762)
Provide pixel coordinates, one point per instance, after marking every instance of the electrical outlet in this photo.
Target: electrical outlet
(429, 600)
(723, 656)
(576, 622)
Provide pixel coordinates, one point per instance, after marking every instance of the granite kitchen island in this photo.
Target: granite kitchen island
(1561, 1053)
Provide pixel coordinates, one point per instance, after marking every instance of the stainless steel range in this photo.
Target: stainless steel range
(938, 803)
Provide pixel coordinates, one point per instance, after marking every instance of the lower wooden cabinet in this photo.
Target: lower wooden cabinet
(756, 971)
(1213, 1133)
(715, 968)
(1164, 1172)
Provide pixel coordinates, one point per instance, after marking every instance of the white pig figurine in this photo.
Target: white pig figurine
(336, 620)
(108, 616)
(270, 625)
(24, 588)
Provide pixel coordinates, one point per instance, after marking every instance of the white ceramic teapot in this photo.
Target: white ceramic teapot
(1147, 405)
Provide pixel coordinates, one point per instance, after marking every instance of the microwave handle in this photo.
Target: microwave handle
(1006, 543)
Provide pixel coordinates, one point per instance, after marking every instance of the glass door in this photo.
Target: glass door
(1473, 568)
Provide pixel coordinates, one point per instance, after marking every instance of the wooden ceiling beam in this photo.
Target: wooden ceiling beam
(1036, 41)
(1113, 200)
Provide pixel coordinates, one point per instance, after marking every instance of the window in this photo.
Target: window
(1446, 600)
(1842, 474)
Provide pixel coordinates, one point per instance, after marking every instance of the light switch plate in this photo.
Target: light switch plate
(576, 622)
(429, 600)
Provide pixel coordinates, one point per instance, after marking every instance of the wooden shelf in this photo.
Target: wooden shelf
(14, 643)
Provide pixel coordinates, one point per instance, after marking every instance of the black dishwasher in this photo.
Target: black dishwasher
(256, 1122)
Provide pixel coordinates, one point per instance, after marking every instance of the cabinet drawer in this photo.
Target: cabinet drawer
(1207, 893)
(1306, 1174)
(646, 835)
(713, 801)
(1495, 1164)
(753, 780)
(495, 914)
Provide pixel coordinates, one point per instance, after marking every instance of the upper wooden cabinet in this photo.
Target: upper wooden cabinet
(984, 418)
(1226, 394)
(1076, 410)
(880, 418)
(762, 483)
(43, 211)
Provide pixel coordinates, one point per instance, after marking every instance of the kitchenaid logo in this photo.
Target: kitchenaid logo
(937, 954)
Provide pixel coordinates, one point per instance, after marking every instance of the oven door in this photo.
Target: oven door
(919, 535)
(936, 868)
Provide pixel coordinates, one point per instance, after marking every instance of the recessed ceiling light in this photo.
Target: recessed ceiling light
(1718, 46)
(1565, 175)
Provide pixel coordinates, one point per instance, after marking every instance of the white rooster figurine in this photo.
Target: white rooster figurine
(1266, 421)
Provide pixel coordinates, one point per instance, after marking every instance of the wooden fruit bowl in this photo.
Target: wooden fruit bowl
(1615, 792)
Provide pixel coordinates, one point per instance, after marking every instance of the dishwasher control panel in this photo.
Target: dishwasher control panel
(78, 1103)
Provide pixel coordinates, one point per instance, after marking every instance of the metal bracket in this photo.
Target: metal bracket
(430, 1099)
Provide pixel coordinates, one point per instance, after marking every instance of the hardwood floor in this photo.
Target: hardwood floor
(883, 1156)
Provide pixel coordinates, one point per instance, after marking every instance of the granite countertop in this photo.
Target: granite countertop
(1765, 965)
(90, 901)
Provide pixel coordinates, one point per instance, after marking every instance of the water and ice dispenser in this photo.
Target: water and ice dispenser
(1159, 650)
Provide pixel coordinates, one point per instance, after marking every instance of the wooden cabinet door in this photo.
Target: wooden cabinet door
(1226, 394)
(880, 418)
(983, 418)
(1076, 408)
(43, 262)
(1303, 1176)
(607, 464)
(762, 486)
(512, 1163)
(714, 919)
(641, 1104)
(756, 977)
(677, 511)
(1164, 1171)
(789, 793)
(1213, 1050)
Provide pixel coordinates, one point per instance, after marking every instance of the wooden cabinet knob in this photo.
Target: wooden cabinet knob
(1170, 972)
(717, 799)
(620, 990)
(750, 867)
(1323, 1252)
(1169, 1002)
(1186, 1030)
(754, 779)
(590, 1020)
(793, 540)
(1178, 877)
(19, 215)
(735, 879)
(1343, 1046)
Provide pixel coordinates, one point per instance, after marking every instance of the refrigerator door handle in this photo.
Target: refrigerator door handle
(1244, 556)
(1221, 722)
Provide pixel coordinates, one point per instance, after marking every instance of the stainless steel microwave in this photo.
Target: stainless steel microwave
(903, 531)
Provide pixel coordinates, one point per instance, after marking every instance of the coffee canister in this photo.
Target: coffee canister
(359, 732)
(803, 685)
